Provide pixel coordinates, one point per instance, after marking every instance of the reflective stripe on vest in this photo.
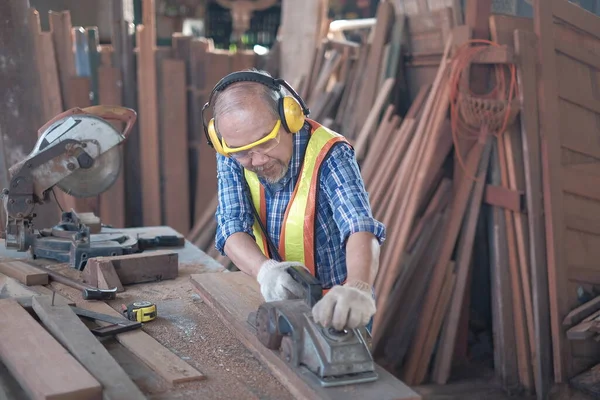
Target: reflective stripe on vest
(297, 239)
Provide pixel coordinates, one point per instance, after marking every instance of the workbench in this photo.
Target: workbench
(186, 326)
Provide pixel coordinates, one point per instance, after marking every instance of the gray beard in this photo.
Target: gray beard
(269, 179)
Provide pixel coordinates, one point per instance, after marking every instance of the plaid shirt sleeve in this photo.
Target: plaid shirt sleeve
(344, 187)
(234, 212)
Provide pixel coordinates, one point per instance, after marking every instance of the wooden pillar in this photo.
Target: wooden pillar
(20, 97)
(123, 37)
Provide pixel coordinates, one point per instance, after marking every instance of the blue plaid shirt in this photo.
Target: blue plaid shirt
(343, 206)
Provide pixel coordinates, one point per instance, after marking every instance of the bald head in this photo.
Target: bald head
(246, 95)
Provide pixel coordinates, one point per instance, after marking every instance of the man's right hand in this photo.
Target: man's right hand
(276, 283)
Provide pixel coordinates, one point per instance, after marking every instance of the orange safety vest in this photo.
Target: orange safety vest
(297, 239)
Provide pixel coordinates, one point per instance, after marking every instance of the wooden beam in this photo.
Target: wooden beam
(76, 337)
(525, 48)
(549, 124)
(112, 202)
(174, 148)
(58, 375)
(235, 295)
(24, 273)
(149, 150)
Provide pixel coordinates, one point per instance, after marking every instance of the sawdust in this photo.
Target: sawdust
(190, 328)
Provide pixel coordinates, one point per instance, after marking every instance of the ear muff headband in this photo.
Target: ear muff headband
(292, 109)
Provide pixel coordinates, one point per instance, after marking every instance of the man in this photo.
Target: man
(304, 182)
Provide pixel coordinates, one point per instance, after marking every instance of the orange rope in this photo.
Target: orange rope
(497, 95)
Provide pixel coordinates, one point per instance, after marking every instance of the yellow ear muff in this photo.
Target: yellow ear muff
(292, 112)
(214, 138)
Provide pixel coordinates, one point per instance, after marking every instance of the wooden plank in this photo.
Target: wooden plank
(443, 360)
(301, 30)
(156, 356)
(234, 295)
(581, 54)
(149, 150)
(459, 205)
(46, 66)
(25, 336)
(174, 149)
(368, 90)
(112, 201)
(549, 123)
(143, 267)
(60, 26)
(581, 312)
(24, 273)
(525, 48)
(577, 181)
(575, 15)
(76, 337)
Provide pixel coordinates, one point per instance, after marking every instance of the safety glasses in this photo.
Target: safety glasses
(261, 146)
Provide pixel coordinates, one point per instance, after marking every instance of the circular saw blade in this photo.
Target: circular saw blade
(95, 180)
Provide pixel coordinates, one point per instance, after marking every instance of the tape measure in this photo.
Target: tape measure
(140, 311)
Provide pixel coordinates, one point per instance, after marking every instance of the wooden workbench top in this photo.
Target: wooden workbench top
(186, 326)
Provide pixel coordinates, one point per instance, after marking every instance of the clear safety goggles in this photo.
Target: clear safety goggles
(261, 146)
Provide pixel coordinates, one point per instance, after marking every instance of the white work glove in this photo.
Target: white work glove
(345, 307)
(276, 283)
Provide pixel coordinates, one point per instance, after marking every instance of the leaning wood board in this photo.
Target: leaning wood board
(569, 110)
(32, 355)
(235, 295)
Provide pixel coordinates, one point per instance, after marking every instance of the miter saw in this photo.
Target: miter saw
(326, 356)
(78, 152)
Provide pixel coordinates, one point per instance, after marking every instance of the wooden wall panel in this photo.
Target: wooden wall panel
(569, 94)
(427, 34)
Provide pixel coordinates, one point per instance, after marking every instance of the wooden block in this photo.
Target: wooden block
(499, 196)
(107, 277)
(235, 295)
(24, 273)
(144, 267)
(32, 356)
(75, 336)
(90, 272)
(582, 331)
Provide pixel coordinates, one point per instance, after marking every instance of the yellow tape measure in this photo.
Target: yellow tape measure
(140, 311)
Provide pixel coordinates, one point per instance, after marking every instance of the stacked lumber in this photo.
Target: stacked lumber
(445, 159)
(168, 175)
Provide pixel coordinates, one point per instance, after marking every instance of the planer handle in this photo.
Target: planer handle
(312, 287)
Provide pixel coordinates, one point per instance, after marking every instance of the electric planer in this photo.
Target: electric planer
(325, 355)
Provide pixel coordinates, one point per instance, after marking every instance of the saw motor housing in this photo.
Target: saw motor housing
(76, 151)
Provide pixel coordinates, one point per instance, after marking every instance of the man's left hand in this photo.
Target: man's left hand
(349, 306)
